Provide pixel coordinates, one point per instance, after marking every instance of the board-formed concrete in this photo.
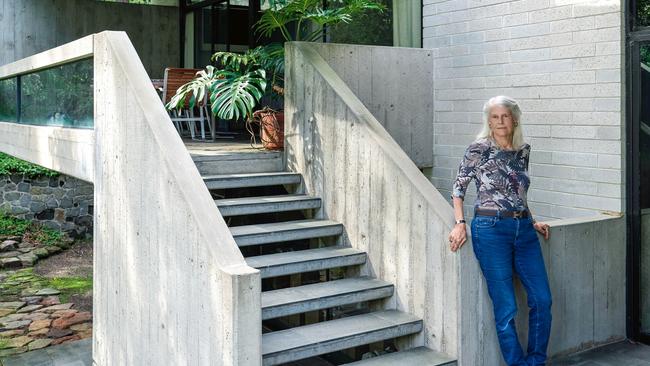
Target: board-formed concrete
(369, 184)
(168, 276)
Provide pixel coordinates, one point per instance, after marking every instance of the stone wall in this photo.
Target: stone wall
(562, 59)
(61, 203)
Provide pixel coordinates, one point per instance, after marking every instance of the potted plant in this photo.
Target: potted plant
(235, 89)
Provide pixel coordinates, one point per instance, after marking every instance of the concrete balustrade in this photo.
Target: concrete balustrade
(368, 183)
(170, 285)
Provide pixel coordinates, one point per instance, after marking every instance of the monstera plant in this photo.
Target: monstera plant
(238, 82)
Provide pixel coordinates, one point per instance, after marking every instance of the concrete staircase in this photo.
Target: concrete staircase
(302, 342)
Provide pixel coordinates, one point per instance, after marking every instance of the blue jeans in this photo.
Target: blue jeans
(501, 245)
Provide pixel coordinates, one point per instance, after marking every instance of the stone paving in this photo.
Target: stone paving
(78, 353)
(33, 317)
(15, 252)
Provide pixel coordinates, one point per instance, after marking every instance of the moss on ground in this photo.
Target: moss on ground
(25, 282)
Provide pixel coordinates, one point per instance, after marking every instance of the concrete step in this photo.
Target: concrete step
(420, 356)
(320, 338)
(250, 180)
(284, 231)
(235, 162)
(301, 299)
(265, 204)
(280, 264)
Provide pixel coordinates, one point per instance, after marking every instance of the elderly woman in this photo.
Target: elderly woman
(504, 233)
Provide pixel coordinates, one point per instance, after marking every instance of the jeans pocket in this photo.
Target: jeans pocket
(483, 222)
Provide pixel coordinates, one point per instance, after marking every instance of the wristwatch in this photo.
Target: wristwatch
(461, 221)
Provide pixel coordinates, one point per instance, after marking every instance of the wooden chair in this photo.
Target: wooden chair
(174, 79)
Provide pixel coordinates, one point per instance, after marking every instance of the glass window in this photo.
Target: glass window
(8, 100)
(59, 96)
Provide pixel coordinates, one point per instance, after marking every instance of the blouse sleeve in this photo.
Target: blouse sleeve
(467, 170)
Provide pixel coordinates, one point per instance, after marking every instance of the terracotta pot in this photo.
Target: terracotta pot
(272, 129)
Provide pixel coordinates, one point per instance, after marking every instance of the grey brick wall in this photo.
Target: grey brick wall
(562, 59)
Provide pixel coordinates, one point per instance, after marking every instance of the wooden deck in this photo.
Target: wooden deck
(219, 146)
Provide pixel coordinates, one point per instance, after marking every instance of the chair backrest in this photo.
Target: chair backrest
(174, 79)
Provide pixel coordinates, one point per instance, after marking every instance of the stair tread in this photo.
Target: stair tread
(239, 180)
(420, 356)
(341, 333)
(323, 295)
(264, 199)
(278, 259)
(279, 227)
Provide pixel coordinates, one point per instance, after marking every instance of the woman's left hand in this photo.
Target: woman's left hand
(542, 228)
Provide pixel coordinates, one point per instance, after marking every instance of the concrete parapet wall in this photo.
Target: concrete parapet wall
(396, 85)
(170, 284)
(563, 60)
(369, 184)
(585, 262)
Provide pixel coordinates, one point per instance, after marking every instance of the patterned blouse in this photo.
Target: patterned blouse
(501, 175)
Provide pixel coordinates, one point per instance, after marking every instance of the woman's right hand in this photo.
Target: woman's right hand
(457, 237)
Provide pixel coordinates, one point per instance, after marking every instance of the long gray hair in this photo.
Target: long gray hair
(513, 106)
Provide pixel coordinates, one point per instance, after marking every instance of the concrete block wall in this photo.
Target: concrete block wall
(562, 59)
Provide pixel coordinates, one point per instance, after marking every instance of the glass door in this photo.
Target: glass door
(639, 189)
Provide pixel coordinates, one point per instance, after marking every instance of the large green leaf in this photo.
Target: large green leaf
(194, 90)
(235, 95)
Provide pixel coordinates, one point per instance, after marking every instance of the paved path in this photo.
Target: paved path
(77, 353)
(616, 354)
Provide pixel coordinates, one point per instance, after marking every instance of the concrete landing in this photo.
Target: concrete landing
(617, 354)
(77, 353)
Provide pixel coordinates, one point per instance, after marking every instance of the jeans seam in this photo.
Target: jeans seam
(534, 299)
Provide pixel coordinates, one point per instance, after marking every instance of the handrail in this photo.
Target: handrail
(69, 52)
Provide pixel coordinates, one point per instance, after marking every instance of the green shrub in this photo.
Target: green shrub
(36, 233)
(10, 165)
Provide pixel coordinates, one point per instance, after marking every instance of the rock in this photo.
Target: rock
(41, 252)
(39, 333)
(9, 263)
(39, 324)
(12, 196)
(22, 187)
(12, 305)
(40, 343)
(25, 250)
(63, 323)
(64, 313)
(11, 318)
(4, 312)
(50, 300)
(66, 339)
(81, 327)
(59, 333)
(85, 334)
(52, 249)
(11, 333)
(58, 307)
(37, 206)
(19, 341)
(16, 325)
(59, 214)
(13, 253)
(35, 316)
(28, 259)
(8, 245)
(32, 300)
(29, 308)
(48, 291)
(15, 237)
(12, 351)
